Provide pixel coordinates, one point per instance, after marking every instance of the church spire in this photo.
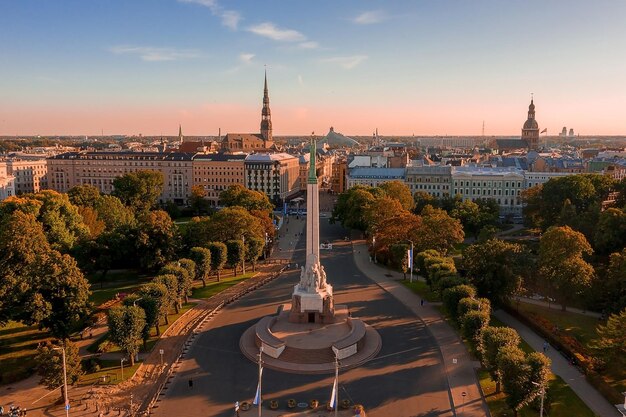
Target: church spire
(266, 115)
(181, 138)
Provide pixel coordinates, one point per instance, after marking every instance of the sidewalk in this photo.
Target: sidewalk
(561, 367)
(456, 360)
(555, 306)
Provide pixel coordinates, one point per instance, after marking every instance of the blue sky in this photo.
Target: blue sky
(422, 67)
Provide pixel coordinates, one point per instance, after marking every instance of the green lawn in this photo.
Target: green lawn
(579, 326)
(561, 401)
(213, 288)
(423, 290)
(101, 296)
(18, 348)
(110, 373)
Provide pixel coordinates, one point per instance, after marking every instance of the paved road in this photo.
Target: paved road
(406, 379)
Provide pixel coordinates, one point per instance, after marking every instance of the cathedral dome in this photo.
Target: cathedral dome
(531, 124)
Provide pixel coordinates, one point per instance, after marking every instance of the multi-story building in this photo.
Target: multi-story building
(339, 174)
(7, 183)
(537, 178)
(304, 170)
(277, 175)
(432, 179)
(31, 174)
(501, 184)
(101, 168)
(373, 177)
(216, 172)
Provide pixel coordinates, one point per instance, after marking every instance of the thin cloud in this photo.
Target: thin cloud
(346, 62)
(269, 30)
(230, 18)
(308, 45)
(152, 54)
(370, 17)
(246, 58)
(300, 80)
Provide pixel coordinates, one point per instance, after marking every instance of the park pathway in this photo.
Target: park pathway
(561, 367)
(465, 393)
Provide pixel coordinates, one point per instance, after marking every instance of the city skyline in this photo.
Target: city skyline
(439, 68)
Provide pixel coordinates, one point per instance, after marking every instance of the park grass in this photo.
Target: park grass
(101, 296)
(579, 326)
(110, 369)
(215, 287)
(423, 290)
(563, 402)
(18, 348)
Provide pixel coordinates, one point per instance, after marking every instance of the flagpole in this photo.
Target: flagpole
(336, 384)
(260, 373)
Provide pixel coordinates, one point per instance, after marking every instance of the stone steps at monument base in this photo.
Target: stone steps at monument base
(312, 356)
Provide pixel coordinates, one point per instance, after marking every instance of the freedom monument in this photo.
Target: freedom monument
(311, 333)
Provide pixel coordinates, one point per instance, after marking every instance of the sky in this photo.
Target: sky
(422, 67)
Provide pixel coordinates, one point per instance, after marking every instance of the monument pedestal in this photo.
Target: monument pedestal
(317, 307)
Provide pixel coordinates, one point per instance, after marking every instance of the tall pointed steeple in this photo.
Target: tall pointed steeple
(266, 115)
(181, 138)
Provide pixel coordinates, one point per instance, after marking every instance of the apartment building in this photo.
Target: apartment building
(277, 175)
(31, 174)
(432, 179)
(101, 168)
(7, 182)
(373, 177)
(501, 184)
(217, 172)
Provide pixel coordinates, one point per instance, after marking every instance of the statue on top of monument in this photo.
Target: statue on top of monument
(313, 278)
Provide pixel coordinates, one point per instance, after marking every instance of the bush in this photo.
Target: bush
(452, 296)
(473, 323)
(449, 282)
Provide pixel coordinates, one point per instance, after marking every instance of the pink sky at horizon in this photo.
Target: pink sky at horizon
(429, 119)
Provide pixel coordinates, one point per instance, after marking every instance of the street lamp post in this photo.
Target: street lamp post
(374, 247)
(411, 262)
(543, 394)
(65, 397)
(122, 367)
(243, 260)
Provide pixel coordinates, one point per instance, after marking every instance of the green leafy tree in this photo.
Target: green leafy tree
(422, 199)
(352, 206)
(139, 190)
(238, 195)
(399, 256)
(495, 268)
(183, 281)
(232, 223)
(475, 215)
(615, 282)
(170, 282)
(234, 253)
(398, 191)
(610, 233)
(150, 307)
(611, 345)
(197, 200)
(219, 257)
(439, 231)
(158, 239)
(473, 304)
(421, 257)
(452, 296)
(561, 264)
(492, 341)
(189, 265)
(254, 250)
(113, 212)
(126, 329)
(379, 211)
(197, 233)
(84, 195)
(158, 294)
(473, 322)
(202, 258)
(49, 361)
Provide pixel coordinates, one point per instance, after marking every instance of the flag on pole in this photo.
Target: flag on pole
(257, 396)
(409, 254)
(333, 395)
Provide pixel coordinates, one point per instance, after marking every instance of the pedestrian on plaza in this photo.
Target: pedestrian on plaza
(190, 383)
(545, 346)
(422, 302)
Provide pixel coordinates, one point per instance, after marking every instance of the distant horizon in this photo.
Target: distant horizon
(424, 68)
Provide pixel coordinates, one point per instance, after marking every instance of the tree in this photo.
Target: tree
(150, 307)
(473, 322)
(126, 329)
(518, 374)
(234, 254)
(610, 233)
(398, 227)
(84, 195)
(473, 304)
(219, 257)
(170, 282)
(399, 191)
(561, 264)
(113, 212)
(254, 250)
(159, 296)
(422, 199)
(611, 345)
(532, 203)
(475, 215)
(439, 231)
(380, 210)
(50, 364)
(197, 232)
(158, 239)
(202, 258)
(238, 195)
(452, 296)
(351, 207)
(197, 200)
(265, 219)
(494, 267)
(139, 190)
(90, 219)
(232, 223)
(615, 281)
(183, 281)
(492, 341)
(59, 294)
(189, 265)
(399, 256)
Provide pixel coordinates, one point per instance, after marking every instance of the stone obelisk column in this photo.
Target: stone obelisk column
(313, 212)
